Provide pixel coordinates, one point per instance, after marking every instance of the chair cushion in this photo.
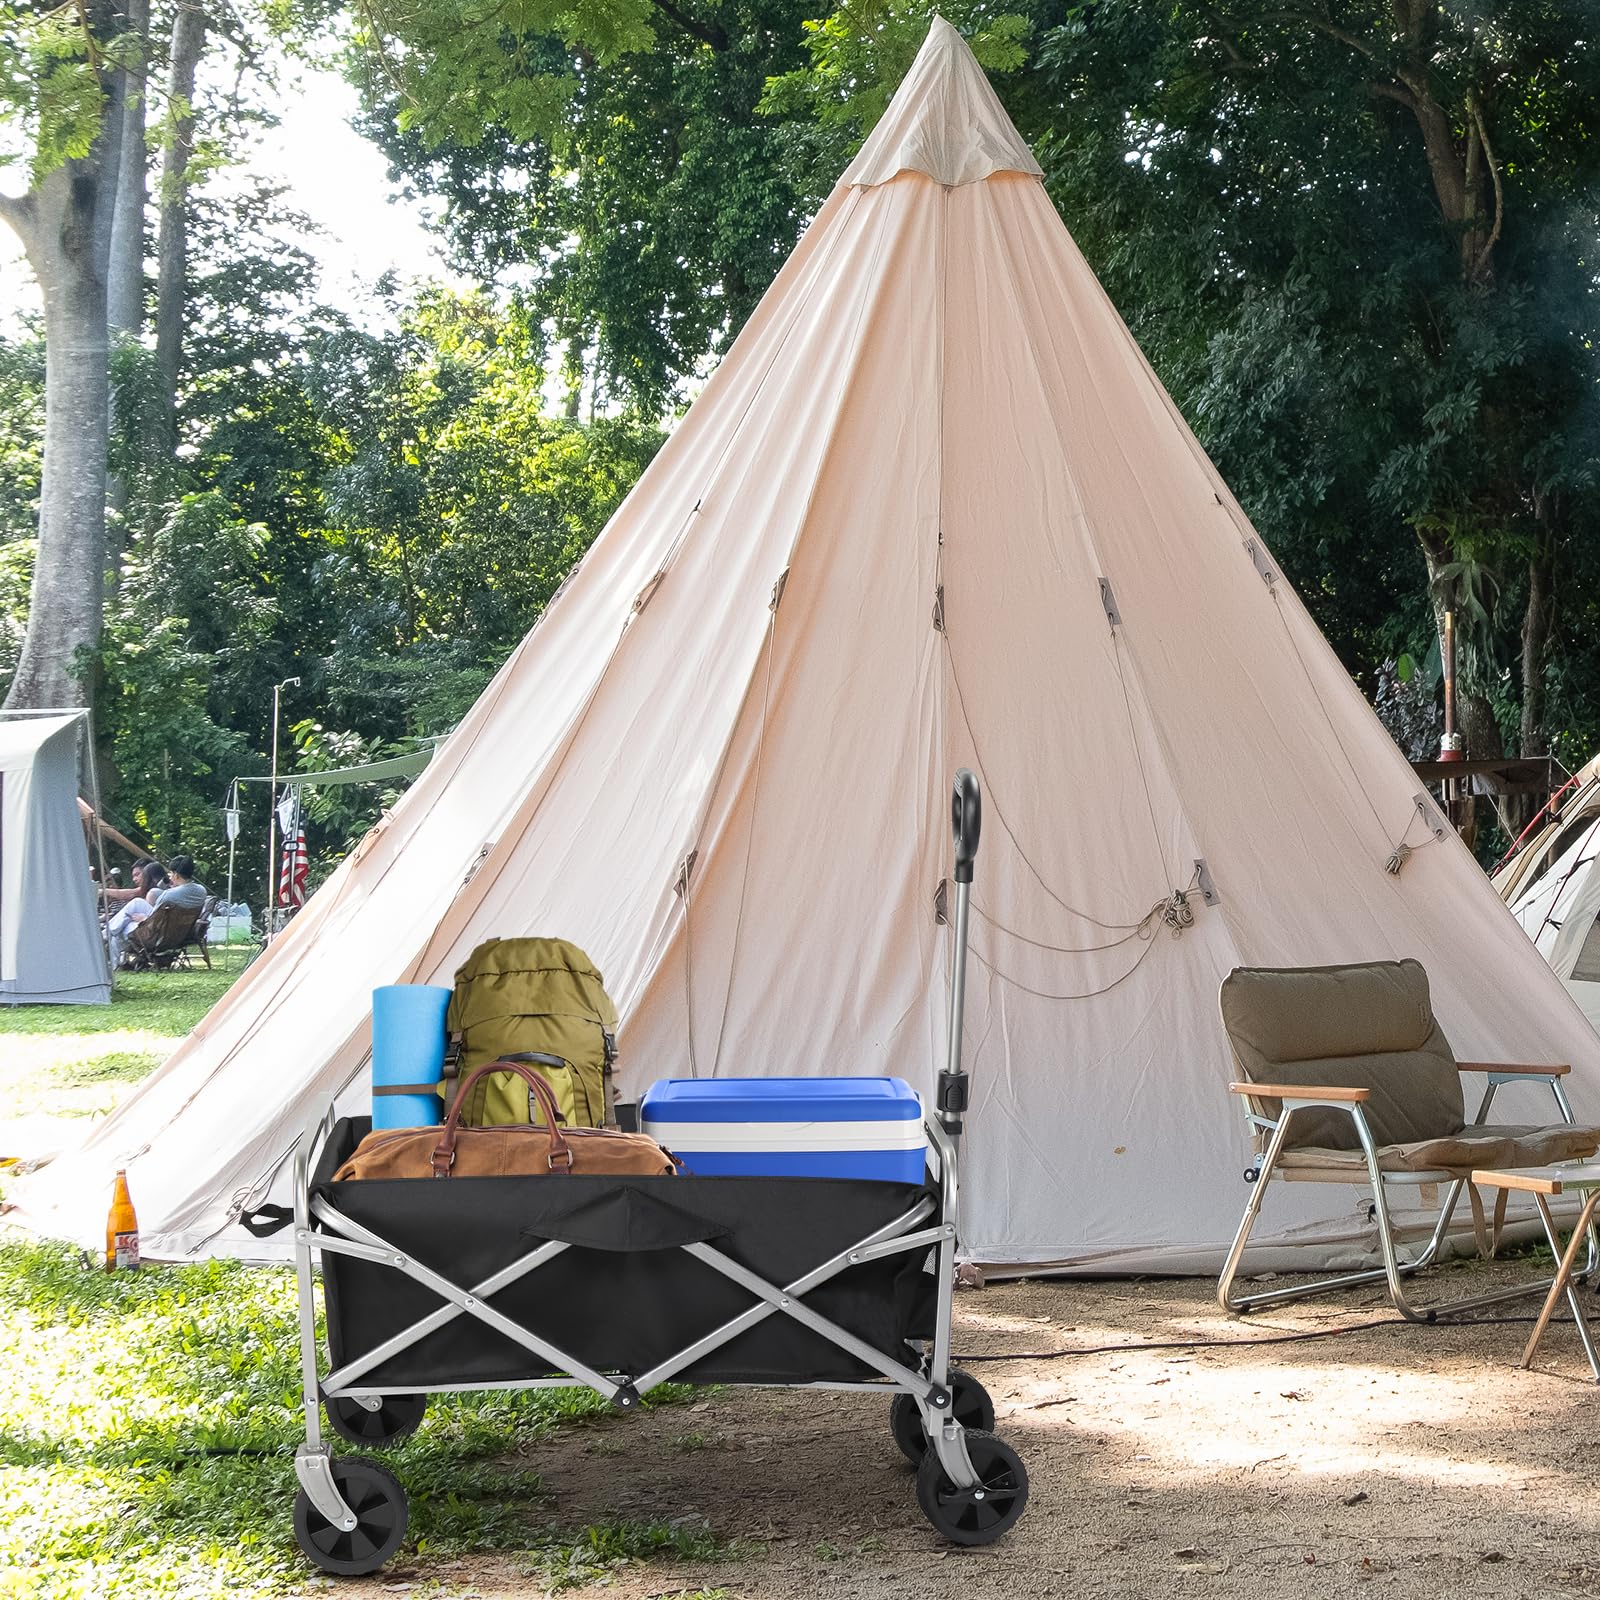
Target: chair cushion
(1473, 1147)
(1369, 1026)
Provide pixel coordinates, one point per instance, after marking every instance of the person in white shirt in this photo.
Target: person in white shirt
(151, 879)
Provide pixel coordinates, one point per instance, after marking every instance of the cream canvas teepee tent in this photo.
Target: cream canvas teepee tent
(933, 509)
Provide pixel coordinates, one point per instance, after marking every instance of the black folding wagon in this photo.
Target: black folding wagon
(620, 1284)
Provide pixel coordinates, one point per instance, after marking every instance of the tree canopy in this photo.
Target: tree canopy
(1357, 240)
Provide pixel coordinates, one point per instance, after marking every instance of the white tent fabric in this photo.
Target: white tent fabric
(933, 509)
(1553, 888)
(50, 949)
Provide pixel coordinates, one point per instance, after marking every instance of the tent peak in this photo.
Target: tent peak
(945, 121)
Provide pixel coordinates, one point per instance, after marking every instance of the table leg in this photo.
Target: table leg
(1563, 1280)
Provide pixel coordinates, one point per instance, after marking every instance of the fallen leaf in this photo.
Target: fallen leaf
(1292, 1394)
(1356, 1499)
(1193, 1559)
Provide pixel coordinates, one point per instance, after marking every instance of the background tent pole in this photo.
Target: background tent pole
(92, 773)
(269, 911)
(231, 824)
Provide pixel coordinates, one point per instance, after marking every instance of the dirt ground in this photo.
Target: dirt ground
(1411, 1461)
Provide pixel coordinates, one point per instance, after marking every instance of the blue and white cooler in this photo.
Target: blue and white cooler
(790, 1127)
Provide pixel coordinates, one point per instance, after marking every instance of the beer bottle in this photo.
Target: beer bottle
(122, 1228)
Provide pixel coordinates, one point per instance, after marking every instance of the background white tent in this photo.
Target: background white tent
(933, 509)
(1552, 885)
(50, 947)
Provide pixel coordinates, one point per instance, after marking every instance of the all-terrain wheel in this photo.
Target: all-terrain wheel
(374, 1494)
(398, 1417)
(978, 1515)
(972, 1408)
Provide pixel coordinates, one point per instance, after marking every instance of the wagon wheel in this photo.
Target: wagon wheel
(971, 1407)
(374, 1494)
(398, 1417)
(978, 1515)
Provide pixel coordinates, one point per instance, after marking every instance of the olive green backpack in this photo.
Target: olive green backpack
(516, 997)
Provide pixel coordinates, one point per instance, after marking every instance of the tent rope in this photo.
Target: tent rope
(1045, 994)
(1401, 851)
(1117, 646)
(1172, 913)
(992, 802)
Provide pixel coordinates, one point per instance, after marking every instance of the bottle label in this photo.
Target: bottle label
(127, 1250)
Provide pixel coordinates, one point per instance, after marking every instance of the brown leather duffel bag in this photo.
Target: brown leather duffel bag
(519, 1150)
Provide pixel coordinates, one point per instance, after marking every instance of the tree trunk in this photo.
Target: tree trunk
(125, 274)
(172, 244)
(125, 269)
(65, 228)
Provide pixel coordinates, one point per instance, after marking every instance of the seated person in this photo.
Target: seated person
(183, 892)
(114, 894)
(150, 877)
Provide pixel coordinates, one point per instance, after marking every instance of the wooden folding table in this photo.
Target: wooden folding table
(1544, 1184)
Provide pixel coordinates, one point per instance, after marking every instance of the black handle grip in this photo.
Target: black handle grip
(966, 816)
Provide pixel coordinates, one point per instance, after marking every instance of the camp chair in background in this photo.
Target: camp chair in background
(164, 939)
(1350, 1079)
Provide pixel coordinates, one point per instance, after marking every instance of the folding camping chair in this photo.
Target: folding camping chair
(1348, 1078)
(163, 940)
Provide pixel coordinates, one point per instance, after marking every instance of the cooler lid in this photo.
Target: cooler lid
(781, 1100)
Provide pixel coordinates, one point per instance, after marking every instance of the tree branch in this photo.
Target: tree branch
(17, 212)
(1237, 60)
(1393, 91)
(1475, 111)
(706, 32)
(1322, 23)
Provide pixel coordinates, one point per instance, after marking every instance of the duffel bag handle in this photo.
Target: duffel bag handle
(444, 1153)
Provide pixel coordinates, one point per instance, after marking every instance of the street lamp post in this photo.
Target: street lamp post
(269, 912)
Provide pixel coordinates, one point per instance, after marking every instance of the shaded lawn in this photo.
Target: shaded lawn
(167, 1003)
(148, 1423)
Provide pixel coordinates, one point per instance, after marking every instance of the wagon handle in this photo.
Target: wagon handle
(966, 820)
(966, 817)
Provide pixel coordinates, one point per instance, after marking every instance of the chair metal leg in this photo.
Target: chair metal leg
(1252, 1210)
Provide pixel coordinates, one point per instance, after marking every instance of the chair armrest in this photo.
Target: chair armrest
(1332, 1094)
(1515, 1069)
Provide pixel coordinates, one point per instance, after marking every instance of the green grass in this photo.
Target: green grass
(168, 1003)
(148, 1424)
(73, 1061)
(117, 1066)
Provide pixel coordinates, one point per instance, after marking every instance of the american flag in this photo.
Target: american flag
(292, 875)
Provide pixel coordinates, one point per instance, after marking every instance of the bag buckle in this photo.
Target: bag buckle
(441, 1167)
(551, 1159)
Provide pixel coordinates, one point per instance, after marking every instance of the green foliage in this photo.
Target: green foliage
(186, 620)
(382, 514)
(1256, 196)
(461, 507)
(52, 90)
(855, 60)
(642, 218)
(464, 69)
